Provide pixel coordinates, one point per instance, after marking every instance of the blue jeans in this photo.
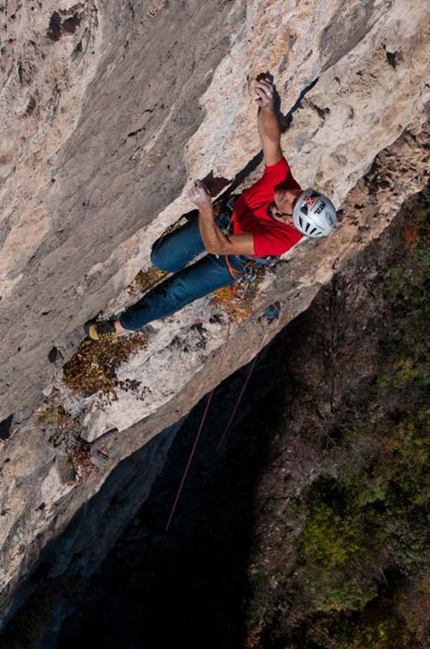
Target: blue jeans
(172, 253)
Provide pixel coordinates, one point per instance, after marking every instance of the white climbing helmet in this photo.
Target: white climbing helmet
(314, 215)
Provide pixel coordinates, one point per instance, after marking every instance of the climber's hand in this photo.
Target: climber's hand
(265, 92)
(199, 195)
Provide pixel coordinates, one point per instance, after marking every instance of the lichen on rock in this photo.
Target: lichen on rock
(109, 110)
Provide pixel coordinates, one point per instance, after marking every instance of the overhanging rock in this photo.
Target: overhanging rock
(106, 149)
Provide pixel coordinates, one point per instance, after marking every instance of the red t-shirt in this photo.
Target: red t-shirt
(250, 212)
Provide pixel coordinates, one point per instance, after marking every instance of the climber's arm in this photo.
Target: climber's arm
(214, 240)
(268, 123)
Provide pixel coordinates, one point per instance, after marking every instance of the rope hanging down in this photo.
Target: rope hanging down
(237, 404)
(189, 459)
(199, 430)
(271, 314)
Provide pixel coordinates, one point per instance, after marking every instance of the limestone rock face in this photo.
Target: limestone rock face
(109, 110)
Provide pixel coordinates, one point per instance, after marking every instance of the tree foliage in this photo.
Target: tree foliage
(357, 576)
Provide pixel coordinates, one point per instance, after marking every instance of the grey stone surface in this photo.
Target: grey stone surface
(108, 111)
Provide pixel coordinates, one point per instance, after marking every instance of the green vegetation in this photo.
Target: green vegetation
(93, 366)
(406, 355)
(357, 575)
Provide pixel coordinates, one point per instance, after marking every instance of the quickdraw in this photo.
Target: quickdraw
(249, 271)
(223, 210)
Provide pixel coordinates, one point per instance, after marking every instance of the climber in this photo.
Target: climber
(238, 235)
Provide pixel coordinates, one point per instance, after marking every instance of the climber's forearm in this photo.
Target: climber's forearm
(218, 243)
(214, 240)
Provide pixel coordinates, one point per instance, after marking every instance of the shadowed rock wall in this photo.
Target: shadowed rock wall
(108, 111)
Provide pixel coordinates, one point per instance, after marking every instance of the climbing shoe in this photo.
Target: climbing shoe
(101, 330)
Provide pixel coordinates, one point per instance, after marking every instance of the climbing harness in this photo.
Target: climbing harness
(223, 210)
(236, 274)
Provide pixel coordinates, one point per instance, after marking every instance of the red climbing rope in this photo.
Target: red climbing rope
(269, 317)
(199, 431)
(189, 460)
(270, 314)
(237, 404)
